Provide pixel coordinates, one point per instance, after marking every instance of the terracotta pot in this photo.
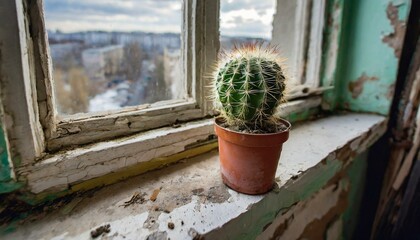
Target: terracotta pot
(248, 162)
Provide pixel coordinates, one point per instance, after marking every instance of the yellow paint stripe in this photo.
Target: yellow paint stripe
(140, 168)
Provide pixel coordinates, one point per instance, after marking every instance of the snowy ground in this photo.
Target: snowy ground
(114, 98)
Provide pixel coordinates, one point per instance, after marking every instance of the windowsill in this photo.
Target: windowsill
(193, 197)
(70, 170)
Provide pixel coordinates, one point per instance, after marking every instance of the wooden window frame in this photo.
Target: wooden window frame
(48, 147)
(199, 49)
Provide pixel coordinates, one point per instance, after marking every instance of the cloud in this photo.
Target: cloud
(114, 15)
(238, 17)
(247, 18)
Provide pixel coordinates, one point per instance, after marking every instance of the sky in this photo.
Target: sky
(238, 17)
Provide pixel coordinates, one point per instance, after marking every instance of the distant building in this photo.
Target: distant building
(102, 62)
(61, 50)
(148, 41)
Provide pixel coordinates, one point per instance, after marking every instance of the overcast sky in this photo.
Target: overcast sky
(238, 17)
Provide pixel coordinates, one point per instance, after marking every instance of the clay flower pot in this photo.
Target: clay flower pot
(248, 162)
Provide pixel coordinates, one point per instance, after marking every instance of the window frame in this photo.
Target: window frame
(30, 135)
(198, 51)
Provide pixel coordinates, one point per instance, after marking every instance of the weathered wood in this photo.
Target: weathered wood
(24, 132)
(405, 124)
(315, 39)
(104, 127)
(57, 171)
(41, 67)
(409, 157)
(407, 226)
(296, 106)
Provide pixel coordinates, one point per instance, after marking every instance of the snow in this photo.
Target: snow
(112, 99)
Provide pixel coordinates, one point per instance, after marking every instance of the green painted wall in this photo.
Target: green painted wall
(7, 183)
(356, 174)
(367, 65)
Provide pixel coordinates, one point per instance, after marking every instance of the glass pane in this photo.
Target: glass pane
(111, 54)
(269, 21)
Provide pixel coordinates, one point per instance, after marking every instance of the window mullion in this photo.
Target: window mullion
(312, 78)
(206, 46)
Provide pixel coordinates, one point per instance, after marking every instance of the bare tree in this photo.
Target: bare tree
(72, 93)
(133, 56)
(79, 81)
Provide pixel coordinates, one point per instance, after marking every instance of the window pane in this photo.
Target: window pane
(277, 22)
(111, 54)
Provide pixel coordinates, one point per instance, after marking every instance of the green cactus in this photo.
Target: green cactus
(248, 85)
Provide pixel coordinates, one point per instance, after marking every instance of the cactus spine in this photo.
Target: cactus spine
(248, 85)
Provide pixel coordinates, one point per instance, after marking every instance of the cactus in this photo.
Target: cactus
(248, 85)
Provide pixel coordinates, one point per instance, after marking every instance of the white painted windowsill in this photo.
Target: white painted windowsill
(194, 199)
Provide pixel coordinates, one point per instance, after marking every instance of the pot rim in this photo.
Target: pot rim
(287, 123)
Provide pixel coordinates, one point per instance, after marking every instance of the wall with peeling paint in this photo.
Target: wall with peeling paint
(330, 213)
(369, 51)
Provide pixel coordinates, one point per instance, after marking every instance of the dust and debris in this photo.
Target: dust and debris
(197, 191)
(396, 38)
(182, 223)
(157, 236)
(136, 198)
(151, 221)
(171, 225)
(218, 194)
(100, 231)
(165, 210)
(157, 208)
(356, 87)
(154, 195)
(195, 235)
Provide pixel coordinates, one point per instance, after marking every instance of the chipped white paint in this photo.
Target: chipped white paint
(20, 109)
(221, 214)
(297, 106)
(204, 217)
(61, 170)
(299, 216)
(313, 63)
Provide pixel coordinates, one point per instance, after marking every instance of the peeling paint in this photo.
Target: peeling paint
(395, 39)
(356, 87)
(192, 195)
(362, 51)
(319, 226)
